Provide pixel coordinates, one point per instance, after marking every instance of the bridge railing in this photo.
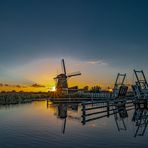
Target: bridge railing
(99, 109)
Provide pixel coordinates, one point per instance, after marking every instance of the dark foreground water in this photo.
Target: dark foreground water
(37, 126)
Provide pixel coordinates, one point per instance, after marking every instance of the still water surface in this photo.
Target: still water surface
(37, 125)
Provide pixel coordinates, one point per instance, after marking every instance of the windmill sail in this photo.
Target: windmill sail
(74, 74)
(63, 67)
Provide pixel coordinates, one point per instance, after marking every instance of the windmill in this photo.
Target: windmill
(61, 79)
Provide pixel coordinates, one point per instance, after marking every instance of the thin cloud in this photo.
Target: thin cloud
(18, 86)
(21, 86)
(37, 85)
(93, 62)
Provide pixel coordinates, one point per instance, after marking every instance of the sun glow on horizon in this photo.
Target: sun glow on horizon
(110, 90)
(53, 88)
(43, 70)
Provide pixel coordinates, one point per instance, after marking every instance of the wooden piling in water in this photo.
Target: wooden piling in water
(108, 108)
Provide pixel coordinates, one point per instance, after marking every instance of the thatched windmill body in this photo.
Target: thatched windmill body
(61, 79)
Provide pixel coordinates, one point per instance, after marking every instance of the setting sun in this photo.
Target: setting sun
(53, 88)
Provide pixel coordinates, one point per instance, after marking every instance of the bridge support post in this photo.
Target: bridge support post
(107, 108)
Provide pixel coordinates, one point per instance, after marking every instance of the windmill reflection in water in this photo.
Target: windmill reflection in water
(62, 112)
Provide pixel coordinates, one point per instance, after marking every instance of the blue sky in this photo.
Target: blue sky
(114, 32)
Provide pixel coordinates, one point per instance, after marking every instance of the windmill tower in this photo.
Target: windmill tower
(61, 79)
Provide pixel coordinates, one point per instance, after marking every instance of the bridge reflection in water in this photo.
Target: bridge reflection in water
(119, 109)
(120, 112)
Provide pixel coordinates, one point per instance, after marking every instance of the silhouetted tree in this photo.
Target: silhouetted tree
(86, 88)
(95, 89)
(13, 91)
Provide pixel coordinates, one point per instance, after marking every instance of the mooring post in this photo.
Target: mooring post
(83, 113)
(107, 108)
(145, 103)
(47, 103)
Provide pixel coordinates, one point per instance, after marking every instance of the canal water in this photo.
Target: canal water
(38, 125)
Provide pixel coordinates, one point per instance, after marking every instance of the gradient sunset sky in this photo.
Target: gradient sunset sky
(97, 37)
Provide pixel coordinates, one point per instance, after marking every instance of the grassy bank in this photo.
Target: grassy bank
(17, 98)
